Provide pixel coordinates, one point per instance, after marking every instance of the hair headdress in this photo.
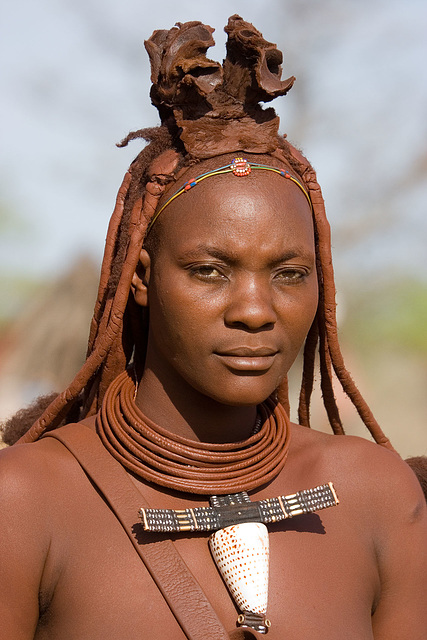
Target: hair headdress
(216, 108)
(206, 110)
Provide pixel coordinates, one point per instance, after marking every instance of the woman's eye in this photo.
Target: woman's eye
(291, 276)
(206, 272)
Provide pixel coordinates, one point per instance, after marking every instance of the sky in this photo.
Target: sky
(75, 80)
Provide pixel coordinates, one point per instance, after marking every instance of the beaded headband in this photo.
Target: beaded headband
(239, 167)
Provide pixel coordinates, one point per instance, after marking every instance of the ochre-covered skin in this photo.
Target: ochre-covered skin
(327, 571)
(235, 267)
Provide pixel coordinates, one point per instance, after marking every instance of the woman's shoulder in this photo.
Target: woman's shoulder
(29, 471)
(371, 476)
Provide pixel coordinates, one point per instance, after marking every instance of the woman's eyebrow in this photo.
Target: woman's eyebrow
(296, 252)
(231, 257)
(214, 252)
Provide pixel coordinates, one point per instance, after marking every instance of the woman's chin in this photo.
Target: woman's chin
(243, 397)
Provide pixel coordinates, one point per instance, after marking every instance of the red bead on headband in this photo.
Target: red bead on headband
(240, 167)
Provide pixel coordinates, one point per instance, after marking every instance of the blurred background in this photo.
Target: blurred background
(75, 80)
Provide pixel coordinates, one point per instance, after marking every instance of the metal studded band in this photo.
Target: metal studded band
(254, 621)
(236, 508)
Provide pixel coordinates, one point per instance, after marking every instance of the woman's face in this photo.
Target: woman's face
(232, 287)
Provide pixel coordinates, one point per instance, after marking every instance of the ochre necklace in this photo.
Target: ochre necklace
(156, 455)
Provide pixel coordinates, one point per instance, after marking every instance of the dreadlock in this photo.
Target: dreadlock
(183, 93)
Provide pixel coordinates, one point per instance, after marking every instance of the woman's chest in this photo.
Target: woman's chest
(322, 580)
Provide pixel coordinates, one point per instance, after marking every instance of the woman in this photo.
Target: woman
(217, 271)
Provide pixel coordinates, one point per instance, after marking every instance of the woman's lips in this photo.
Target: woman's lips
(247, 359)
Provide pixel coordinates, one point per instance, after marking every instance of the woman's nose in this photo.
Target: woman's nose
(251, 305)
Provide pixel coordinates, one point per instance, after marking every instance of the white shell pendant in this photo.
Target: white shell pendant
(241, 553)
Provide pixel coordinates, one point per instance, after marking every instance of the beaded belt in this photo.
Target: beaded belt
(236, 508)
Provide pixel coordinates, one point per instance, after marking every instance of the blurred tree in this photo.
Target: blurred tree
(45, 346)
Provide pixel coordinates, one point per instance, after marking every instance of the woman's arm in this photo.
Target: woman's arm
(24, 543)
(401, 547)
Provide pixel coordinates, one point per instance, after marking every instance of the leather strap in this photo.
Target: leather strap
(182, 592)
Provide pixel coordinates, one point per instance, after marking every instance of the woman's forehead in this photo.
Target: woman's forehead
(256, 206)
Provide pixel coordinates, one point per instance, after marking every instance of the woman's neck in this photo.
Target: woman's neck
(185, 412)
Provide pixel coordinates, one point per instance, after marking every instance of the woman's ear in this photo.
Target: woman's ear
(141, 278)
